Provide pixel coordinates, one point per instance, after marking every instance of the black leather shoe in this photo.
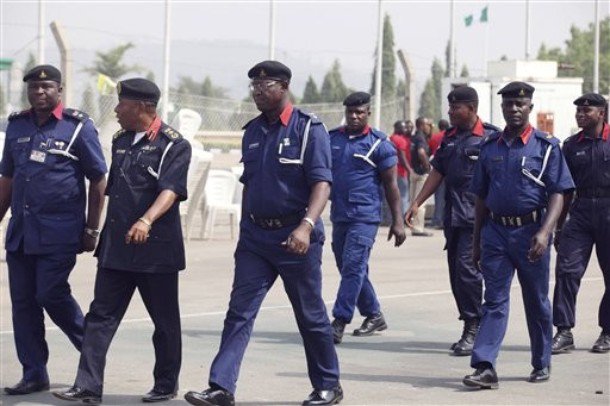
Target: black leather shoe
(602, 344)
(370, 325)
(421, 234)
(25, 387)
(324, 397)
(563, 341)
(466, 343)
(540, 375)
(338, 329)
(157, 396)
(483, 378)
(79, 394)
(210, 397)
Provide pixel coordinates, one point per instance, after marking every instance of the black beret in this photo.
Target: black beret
(270, 70)
(43, 72)
(463, 94)
(517, 89)
(357, 99)
(139, 89)
(591, 99)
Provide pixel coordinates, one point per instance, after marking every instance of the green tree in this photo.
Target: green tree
(2, 100)
(447, 58)
(89, 102)
(464, 73)
(430, 102)
(31, 62)
(388, 62)
(333, 89)
(578, 55)
(189, 86)
(111, 64)
(311, 93)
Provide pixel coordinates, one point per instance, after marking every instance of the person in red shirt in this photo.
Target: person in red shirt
(401, 139)
(439, 195)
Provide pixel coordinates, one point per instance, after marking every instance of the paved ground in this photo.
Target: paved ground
(406, 365)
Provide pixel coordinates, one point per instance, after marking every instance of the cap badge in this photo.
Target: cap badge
(42, 75)
(521, 92)
(262, 74)
(586, 103)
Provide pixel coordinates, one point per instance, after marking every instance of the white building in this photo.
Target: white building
(553, 108)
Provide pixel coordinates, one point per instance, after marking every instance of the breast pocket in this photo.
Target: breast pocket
(19, 153)
(146, 164)
(605, 167)
(531, 169)
(251, 161)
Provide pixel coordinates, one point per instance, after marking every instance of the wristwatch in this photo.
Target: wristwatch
(92, 232)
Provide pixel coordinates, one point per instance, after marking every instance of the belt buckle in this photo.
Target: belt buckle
(503, 220)
(519, 222)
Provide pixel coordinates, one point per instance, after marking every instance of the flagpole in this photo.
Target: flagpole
(486, 56)
(271, 30)
(41, 32)
(166, 43)
(379, 66)
(596, 53)
(527, 30)
(451, 41)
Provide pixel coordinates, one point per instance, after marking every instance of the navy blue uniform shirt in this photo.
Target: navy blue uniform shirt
(48, 179)
(419, 141)
(500, 178)
(455, 159)
(358, 161)
(589, 159)
(137, 177)
(282, 162)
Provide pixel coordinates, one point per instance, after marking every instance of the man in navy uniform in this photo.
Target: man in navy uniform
(364, 161)
(287, 177)
(141, 243)
(48, 153)
(588, 157)
(519, 181)
(454, 162)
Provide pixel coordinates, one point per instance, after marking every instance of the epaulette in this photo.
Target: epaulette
(491, 137)
(249, 122)
(546, 137)
(489, 126)
(313, 117)
(378, 134)
(118, 134)
(75, 114)
(335, 129)
(170, 133)
(17, 114)
(572, 137)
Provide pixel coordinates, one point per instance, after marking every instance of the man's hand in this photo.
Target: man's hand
(411, 212)
(138, 233)
(538, 245)
(398, 231)
(88, 242)
(298, 241)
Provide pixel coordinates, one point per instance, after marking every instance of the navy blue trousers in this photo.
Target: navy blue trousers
(352, 244)
(259, 260)
(113, 292)
(504, 249)
(37, 283)
(466, 280)
(588, 225)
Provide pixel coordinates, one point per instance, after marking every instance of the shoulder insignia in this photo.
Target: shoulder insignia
(171, 133)
(489, 126)
(546, 137)
(17, 114)
(312, 116)
(75, 114)
(118, 134)
(249, 122)
(491, 137)
(378, 133)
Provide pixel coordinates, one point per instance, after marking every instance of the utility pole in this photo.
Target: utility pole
(41, 32)
(66, 61)
(451, 41)
(271, 30)
(378, 66)
(409, 106)
(527, 30)
(596, 53)
(166, 43)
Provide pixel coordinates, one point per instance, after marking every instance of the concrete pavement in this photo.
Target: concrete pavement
(406, 365)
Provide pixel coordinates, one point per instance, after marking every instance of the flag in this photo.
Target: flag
(105, 85)
(484, 17)
(468, 20)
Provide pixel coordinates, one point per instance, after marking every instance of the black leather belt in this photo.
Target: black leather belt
(278, 222)
(516, 221)
(593, 192)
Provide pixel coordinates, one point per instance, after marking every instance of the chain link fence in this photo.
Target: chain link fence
(229, 116)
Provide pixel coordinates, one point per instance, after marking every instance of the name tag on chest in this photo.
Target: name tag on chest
(38, 156)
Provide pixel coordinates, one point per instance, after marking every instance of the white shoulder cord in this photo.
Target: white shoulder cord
(366, 157)
(303, 148)
(157, 174)
(545, 161)
(65, 152)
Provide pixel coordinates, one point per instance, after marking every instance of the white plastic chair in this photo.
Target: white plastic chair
(219, 193)
(239, 187)
(187, 122)
(196, 180)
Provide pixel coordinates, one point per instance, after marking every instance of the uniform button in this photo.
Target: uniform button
(27, 179)
(112, 220)
(116, 196)
(27, 206)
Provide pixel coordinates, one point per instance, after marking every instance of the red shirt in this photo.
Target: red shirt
(403, 144)
(435, 141)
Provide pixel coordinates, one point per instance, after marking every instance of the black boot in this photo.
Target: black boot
(563, 341)
(338, 326)
(464, 345)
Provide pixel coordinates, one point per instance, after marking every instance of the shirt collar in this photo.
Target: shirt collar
(365, 130)
(604, 135)
(153, 128)
(525, 135)
(477, 130)
(286, 113)
(58, 111)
